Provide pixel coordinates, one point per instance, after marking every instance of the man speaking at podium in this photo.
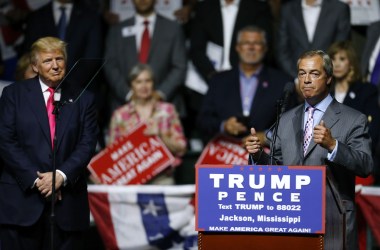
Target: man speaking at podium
(26, 147)
(323, 132)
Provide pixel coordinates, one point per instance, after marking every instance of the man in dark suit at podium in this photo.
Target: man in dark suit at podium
(26, 147)
(323, 132)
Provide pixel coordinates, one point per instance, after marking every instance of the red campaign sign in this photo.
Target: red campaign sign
(224, 150)
(133, 159)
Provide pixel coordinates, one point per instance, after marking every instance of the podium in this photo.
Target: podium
(261, 207)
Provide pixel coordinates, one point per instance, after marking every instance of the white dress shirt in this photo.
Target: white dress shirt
(229, 13)
(57, 11)
(311, 16)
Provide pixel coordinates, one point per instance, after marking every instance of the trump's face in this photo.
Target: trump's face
(313, 80)
(50, 66)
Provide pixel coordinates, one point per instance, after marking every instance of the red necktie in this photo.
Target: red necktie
(51, 116)
(145, 44)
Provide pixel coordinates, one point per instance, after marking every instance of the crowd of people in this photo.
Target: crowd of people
(244, 54)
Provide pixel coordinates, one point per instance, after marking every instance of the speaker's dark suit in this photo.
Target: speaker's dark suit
(25, 147)
(223, 100)
(84, 33)
(292, 40)
(349, 127)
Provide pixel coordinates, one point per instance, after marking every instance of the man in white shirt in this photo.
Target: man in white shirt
(309, 24)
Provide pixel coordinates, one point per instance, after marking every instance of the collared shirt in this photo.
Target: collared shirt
(46, 93)
(140, 26)
(248, 87)
(57, 96)
(57, 11)
(320, 110)
(311, 16)
(229, 13)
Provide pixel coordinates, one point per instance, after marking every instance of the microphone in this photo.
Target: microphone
(57, 95)
(288, 91)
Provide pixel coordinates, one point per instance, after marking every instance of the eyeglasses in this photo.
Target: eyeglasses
(248, 43)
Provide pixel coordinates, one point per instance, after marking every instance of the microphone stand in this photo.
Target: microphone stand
(274, 135)
(57, 106)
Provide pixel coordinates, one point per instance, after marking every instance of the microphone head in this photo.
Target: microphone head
(57, 96)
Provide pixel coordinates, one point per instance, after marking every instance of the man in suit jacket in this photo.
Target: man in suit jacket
(339, 140)
(307, 25)
(167, 55)
(27, 151)
(245, 96)
(84, 32)
(208, 27)
(215, 25)
(371, 51)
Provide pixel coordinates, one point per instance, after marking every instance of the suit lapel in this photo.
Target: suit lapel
(155, 36)
(261, 81)
(297, 11)
(129, 45)
(298, 130)
(65, 114)
(38, 106)
(321, 23)
(75, 14)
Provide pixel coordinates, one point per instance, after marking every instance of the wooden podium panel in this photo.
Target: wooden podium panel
(239, 241)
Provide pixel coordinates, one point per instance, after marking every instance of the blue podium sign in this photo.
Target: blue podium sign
(263, 199)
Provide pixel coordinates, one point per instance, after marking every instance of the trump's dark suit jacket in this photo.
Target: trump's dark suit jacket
(349, 127)
(223, 100)
(333, 25)
(25, 147)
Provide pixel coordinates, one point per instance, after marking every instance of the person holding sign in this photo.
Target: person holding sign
(322, 131)
(145, 107)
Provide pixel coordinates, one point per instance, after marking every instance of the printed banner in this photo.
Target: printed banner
(133, 159)
(264, 199)
(223, 149)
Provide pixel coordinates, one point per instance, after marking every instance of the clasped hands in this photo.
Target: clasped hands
(321, 136)
(44, 181)
(233, 127)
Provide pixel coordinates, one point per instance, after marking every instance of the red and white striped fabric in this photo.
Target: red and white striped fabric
(144, 216)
